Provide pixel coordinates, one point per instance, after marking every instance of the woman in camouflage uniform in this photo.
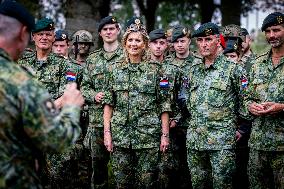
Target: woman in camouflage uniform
(135, 102)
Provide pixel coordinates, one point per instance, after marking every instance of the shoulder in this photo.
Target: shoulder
(95, 52)
(262, 56)
(28, 55)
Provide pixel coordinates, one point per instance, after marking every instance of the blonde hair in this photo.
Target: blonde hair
(136, 28)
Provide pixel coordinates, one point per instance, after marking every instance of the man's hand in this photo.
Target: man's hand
(99, 97)
(238, 136)
(165, 141)
(255, 108)
(272, 107)
(173, 123)
(108, 141)
(72, 96)
(58, 103)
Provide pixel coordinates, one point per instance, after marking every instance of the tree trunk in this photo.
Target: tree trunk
(207, 8)
(231, 12)
(149, 11)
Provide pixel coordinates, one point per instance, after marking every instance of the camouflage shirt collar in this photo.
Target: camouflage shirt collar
(116, 52)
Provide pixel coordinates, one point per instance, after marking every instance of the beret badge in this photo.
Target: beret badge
(184, 31)
(63, 36)
(137, 21)
(279, 19)
(208, 31)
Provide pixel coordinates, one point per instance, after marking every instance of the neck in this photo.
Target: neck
(81, 58)
(210, 59)
(278, 52)
(135, 59)
(42, 53)
(248, 52)
(110, 47)
(182, 56)
(157, 58)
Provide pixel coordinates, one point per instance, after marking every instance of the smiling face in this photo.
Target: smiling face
(44, 39)
(135, 44)
(208, 46)
(275, 35)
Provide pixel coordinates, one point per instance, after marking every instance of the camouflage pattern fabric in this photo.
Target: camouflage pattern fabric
(266, 85)
(219, 169)
(138, 97)
(214, 100)
(248, 61)
(173, 165)
(94, 82)
(135, 168)
(51, 73)
(260, 165)
(31, 126)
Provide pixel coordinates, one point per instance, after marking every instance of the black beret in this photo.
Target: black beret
(179, 32)
(157, 34)
(206, 29)
(272, 19)
(44, 24)
(244, 31)
(133, 20)
(231, 46)
(61, 35)
(17, 11)
(106, 20)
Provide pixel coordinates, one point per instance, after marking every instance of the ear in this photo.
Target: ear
(24, 33)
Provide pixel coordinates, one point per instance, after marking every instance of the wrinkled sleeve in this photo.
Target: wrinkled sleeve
(108, 88)
(49, 129)
(241, 83)
(166, 85)
(87, 86)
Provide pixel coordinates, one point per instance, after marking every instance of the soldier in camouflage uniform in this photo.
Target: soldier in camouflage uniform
(173, 168)
(266, 103)
(158, 45)
(92, 87)
(30, 123)
(82, 42)
(214, 92)
(248, 56)
(71, 168)
(136, 101)
(48, 68)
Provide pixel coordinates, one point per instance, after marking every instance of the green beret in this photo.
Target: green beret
(272, 19)
(61, 35)
(133, 20)
(18, 11)
(44, 24)
(106, 20)
(233, 31)
(179, 32)
(157, 34)
(231, 46)
(206, 29)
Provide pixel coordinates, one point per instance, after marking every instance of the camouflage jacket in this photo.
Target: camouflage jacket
(94, 81)
(51, 73)
(248, 61)
(174, 70)
(267, 85)
(30, 126)
(138, 97)
(214, 98)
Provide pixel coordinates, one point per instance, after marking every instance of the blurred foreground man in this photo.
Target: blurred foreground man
(31, 125)
(214, 88)
(266, 103)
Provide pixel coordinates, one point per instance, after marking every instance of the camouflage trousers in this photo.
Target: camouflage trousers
(173, 168)
(211, 168)
(94, 141)
(71, 169)
(266, 169)
(135, 168)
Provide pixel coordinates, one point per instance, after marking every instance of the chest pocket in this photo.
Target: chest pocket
(147, 91)
(217, 93)
(99, 79)
(121, 88)
(50, 77)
